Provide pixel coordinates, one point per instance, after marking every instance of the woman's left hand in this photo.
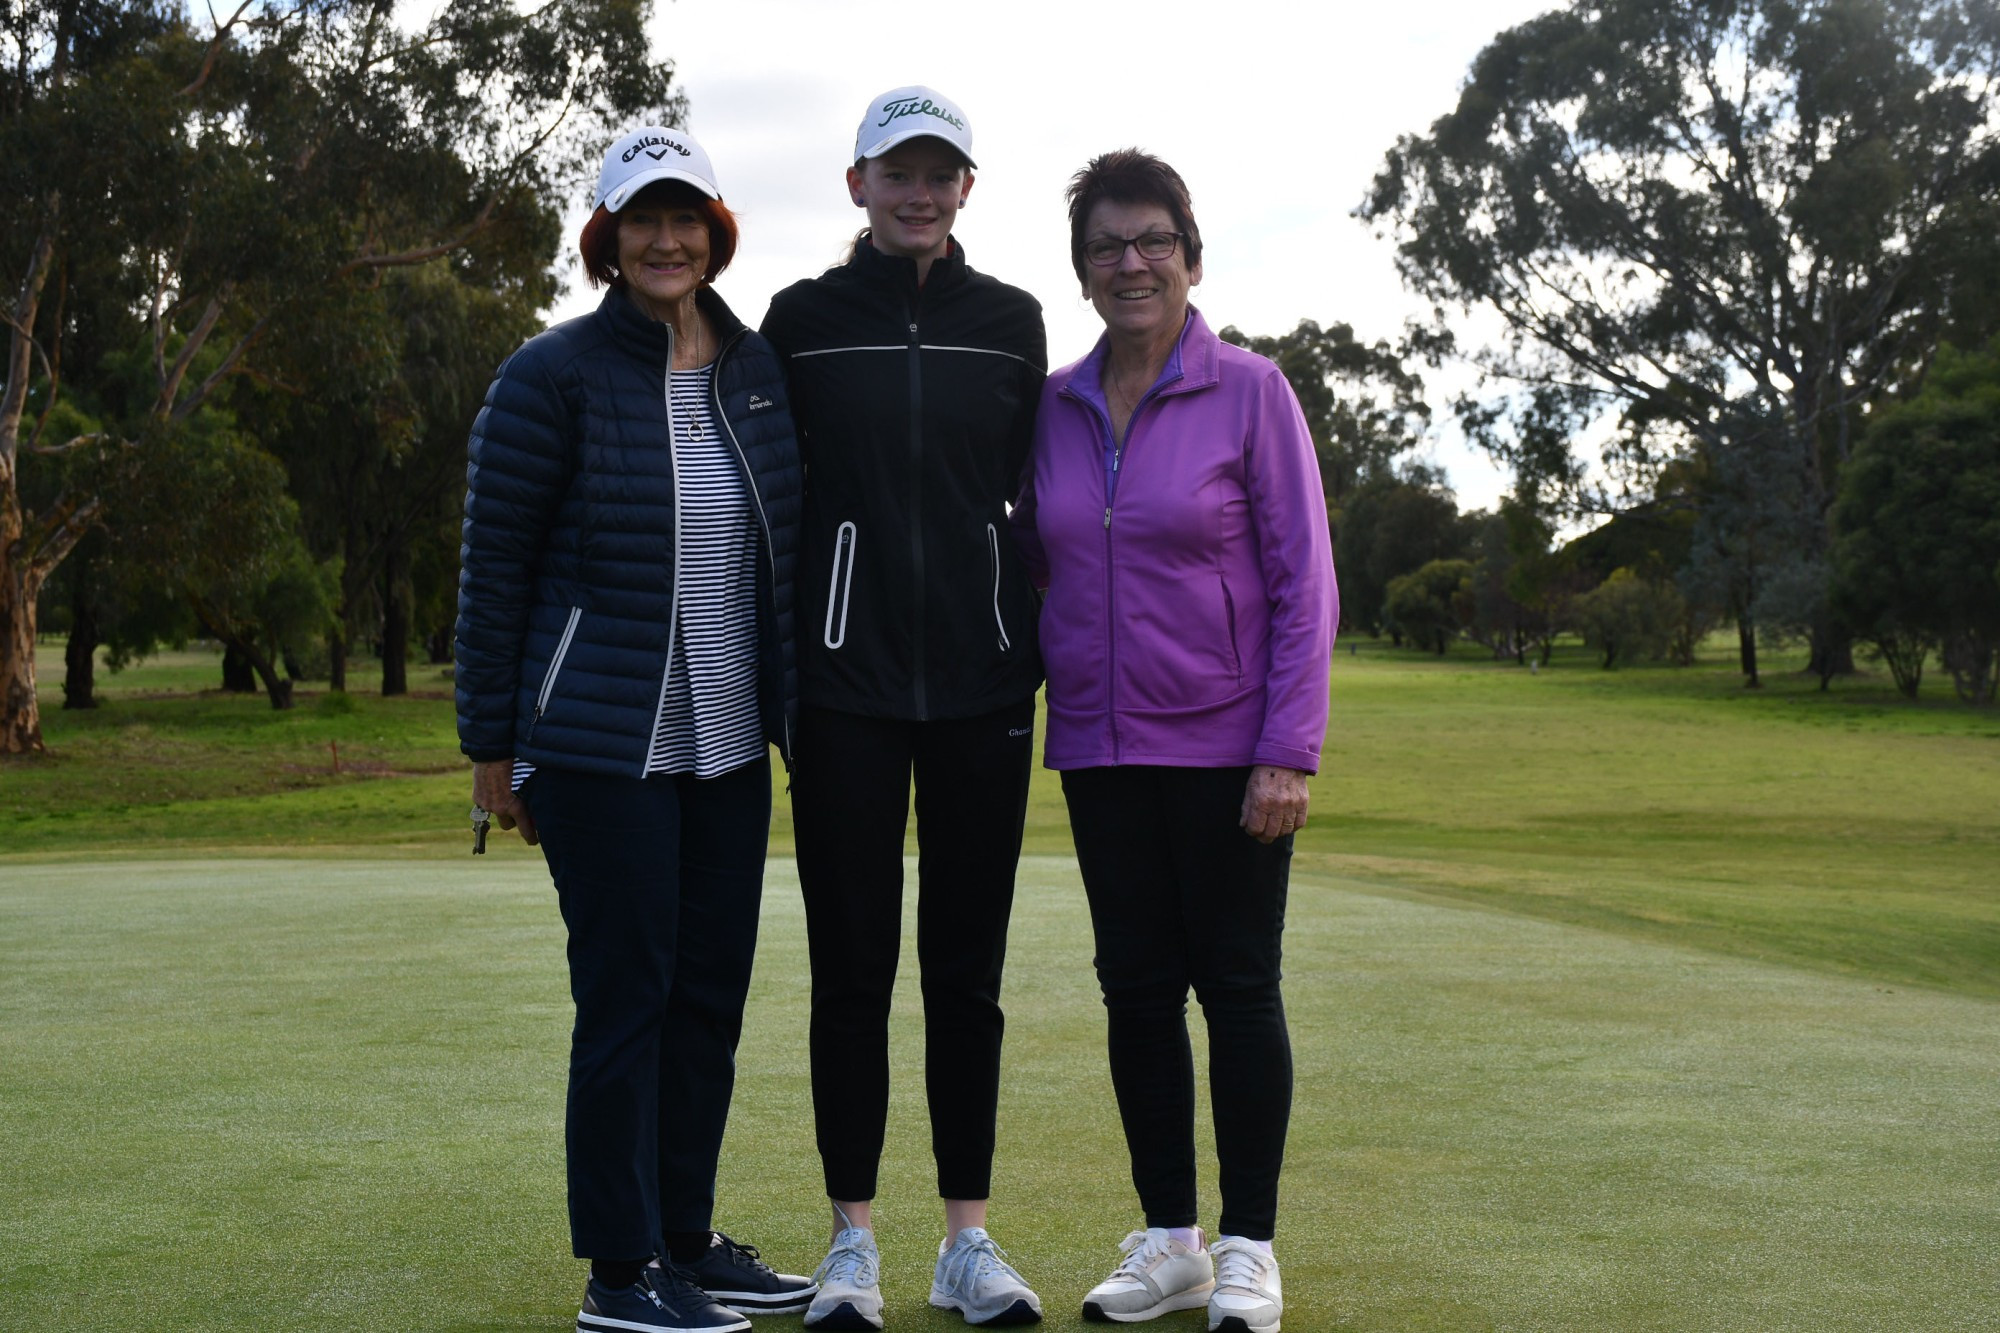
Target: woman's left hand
(1274, 802)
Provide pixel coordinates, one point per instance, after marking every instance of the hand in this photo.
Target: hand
(1274, 802)
(493, 792)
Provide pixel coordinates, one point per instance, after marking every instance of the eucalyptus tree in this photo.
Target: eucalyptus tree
(233, 173)
(1713, 226)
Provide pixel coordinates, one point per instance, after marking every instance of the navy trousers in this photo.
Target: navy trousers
(1181, 897)
(660, 880)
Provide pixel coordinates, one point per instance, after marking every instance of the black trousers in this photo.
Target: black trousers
(660, 882)
(850, 802)
(1180, 897)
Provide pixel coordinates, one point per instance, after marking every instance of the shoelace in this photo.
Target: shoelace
(1239, 1266)
(847, 1262)
(1140, 1248)
(743, 1256)
(981, 1258)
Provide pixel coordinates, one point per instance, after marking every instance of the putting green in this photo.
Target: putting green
(327, 1096)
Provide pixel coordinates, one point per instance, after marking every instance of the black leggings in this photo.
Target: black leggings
(850, 801)
(1181, 896)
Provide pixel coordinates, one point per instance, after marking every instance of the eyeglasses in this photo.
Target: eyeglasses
(1105, 251)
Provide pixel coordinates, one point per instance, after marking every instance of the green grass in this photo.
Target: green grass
(314, 1095)
(1620, 1000)
(1848, 831)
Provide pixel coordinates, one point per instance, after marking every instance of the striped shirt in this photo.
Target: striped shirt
(708, 703)
(707, 722)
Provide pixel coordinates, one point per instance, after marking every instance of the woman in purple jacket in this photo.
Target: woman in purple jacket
(1174, 514)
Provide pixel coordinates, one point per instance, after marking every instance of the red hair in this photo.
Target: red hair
(598, 242)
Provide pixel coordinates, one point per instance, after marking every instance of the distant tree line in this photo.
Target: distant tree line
(259, 265)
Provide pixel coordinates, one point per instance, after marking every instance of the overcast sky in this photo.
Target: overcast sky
(1277, 114)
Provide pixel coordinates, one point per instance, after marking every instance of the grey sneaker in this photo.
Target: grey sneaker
(1157, 1274)
(1248, 1297)
(850, 1284)
(975, 1279)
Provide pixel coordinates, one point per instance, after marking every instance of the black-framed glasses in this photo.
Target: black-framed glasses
(1105, 251)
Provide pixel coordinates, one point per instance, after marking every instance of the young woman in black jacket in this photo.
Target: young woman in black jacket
(914, 381)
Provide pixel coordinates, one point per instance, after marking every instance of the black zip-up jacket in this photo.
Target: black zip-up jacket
(566, 586)
(915, 409)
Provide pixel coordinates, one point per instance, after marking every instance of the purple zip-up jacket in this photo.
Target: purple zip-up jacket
(1191, 600)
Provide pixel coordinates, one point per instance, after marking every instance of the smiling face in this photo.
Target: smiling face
(912, 194)
(1138, 299)
(662, 253)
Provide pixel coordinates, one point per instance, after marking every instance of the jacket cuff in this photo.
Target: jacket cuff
(1284, 756)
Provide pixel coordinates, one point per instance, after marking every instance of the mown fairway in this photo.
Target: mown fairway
(1620, 1001)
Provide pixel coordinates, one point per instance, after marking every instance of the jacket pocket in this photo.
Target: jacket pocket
(555, 668)
(993, 551)
(1229, 624)
(839, 586)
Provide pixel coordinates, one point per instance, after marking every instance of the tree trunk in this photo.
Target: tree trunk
(21, 720)
(80, 657)
(336, 658)
(1832, 655)
(276, 687)
(396, 619)
(238, 675)
(1746, 648)
(439, 646)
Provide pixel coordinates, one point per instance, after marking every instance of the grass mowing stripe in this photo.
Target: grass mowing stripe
(298, 1095)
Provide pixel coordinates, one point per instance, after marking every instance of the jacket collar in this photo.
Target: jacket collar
(900, 271)
(1191, 366)
(634, 328)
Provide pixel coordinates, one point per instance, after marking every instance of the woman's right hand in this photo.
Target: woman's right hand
(493, 791)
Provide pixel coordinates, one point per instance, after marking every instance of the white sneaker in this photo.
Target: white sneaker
(1157, 1274)
(975, 1279)
(850, 1284)
(1248, 1297)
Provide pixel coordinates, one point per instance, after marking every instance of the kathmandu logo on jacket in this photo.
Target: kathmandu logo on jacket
(758, 403)
(912, 106)
(651, 141)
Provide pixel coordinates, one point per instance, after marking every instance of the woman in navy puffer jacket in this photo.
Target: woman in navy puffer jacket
(625, 646)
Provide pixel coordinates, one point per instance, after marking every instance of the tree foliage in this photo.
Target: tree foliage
(1628, 618)
(1917, 561)
(211, 192)
(1710, 228)
(1390, 526)
(1424, 603)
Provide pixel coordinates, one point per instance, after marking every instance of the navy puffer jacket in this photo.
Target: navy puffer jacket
(566, 584)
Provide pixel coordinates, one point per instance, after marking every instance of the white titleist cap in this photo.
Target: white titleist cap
(909, 113)
(652, 153)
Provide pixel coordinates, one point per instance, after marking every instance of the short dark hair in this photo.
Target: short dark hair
(598, 242)
(1129, 176)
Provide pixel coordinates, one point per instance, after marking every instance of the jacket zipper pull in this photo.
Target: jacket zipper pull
(1107, 516)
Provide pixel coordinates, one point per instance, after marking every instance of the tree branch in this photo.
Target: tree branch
(222, 31)
(192, 403)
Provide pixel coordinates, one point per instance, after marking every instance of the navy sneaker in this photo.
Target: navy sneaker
(738, 1277)
(659, 1302)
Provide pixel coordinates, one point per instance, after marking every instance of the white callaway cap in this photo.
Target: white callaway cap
(652, 153)
(915, 112)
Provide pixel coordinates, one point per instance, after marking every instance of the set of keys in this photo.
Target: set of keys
(481, 821)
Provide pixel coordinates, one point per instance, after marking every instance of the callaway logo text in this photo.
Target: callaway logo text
(650, 141)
